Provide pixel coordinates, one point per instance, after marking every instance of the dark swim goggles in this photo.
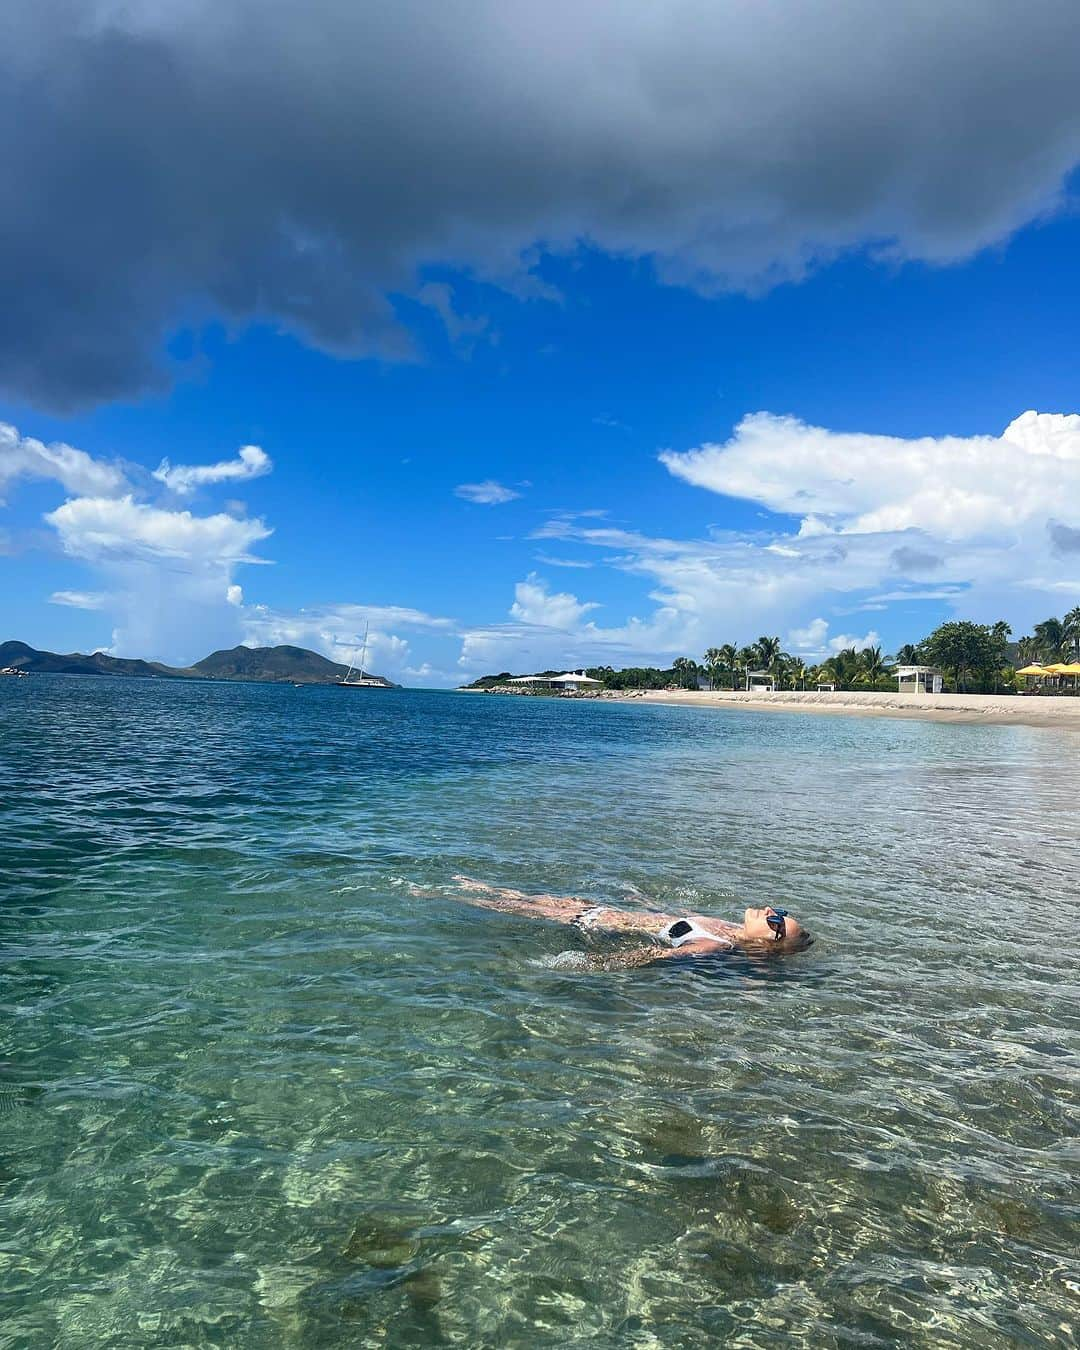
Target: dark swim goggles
(775, 920)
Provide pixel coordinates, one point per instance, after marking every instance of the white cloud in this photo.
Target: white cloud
(950, 486)
(169, 573)
(74, 470)
(812, 642)
(577, 563)
(79, 599)
(867, 536)
(487, 493)
(101, 529)
(842, 641)
(535, 604)
(977, 517)
(337, 632)
(251, 462)
(809, 641)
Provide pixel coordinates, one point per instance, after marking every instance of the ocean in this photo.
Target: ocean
(267, 1082)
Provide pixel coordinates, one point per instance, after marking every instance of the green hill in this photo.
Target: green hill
(22, 657)
(287, 664)
(282, 665)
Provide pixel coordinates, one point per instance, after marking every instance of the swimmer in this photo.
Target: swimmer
(765, 930)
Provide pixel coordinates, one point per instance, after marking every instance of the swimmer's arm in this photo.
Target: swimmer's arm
(648, 956)
(703, 947)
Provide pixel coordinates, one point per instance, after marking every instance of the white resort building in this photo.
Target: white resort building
(918, 680)
(571, 682)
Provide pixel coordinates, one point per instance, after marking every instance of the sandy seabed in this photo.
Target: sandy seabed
(1018, 709)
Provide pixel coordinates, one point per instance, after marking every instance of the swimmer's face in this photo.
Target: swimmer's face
(756, 926)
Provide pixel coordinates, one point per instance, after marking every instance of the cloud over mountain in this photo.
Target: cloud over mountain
(302, 164)
(169, 573)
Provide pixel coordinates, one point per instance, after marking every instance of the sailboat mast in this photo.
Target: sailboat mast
(361, 680)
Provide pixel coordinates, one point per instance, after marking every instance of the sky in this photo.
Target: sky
(535, 336)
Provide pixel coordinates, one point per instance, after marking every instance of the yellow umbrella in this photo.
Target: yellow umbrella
(1057, 669)
(1033, 670)
(1073, 668)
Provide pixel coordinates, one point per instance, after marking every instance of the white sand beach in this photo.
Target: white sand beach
(1018, 709)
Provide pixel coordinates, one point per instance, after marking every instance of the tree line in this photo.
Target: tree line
(974, 658)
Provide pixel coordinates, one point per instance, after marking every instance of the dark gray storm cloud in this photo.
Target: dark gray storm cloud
(169, 160)
(914, 561)
(1064, 539)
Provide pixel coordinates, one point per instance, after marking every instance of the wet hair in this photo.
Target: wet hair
(787, 946)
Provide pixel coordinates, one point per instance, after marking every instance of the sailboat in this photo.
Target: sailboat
(360, 680)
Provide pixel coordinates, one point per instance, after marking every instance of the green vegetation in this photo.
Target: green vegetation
(974, 658)
(681, 674)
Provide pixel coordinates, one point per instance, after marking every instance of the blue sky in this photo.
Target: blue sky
(597, 362)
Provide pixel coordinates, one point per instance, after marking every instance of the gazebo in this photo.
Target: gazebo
(574, 680)
(571, 681)
(918, 680)
(760, 682)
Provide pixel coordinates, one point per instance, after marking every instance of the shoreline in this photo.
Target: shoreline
(970, 709)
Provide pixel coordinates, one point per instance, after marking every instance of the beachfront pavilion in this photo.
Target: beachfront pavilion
(572, 681)
(918, 680)
(760, 682)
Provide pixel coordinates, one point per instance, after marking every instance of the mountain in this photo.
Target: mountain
(283, 665)
(287, 664)
(22, 657)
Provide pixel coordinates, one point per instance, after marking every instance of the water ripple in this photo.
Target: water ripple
(265, 1082)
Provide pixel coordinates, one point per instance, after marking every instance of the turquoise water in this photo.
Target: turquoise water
(257, 1091)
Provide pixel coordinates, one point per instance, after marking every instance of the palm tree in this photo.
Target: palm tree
(1050, 635)
(714, 664)
(1027, 649)
(799, 674)
(907, 655)
(768, 650)
(873, 664)
(745, 658)
(844, 666)
(685, 671)
(730, 657)
(1071, 625)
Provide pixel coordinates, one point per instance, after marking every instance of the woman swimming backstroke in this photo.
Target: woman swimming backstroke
(768, 929)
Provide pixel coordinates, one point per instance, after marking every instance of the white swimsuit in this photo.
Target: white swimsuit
(691, 932)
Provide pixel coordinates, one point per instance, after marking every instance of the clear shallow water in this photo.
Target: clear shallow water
(255, 1092)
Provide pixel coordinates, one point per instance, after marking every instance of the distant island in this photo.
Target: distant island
(268, 665)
